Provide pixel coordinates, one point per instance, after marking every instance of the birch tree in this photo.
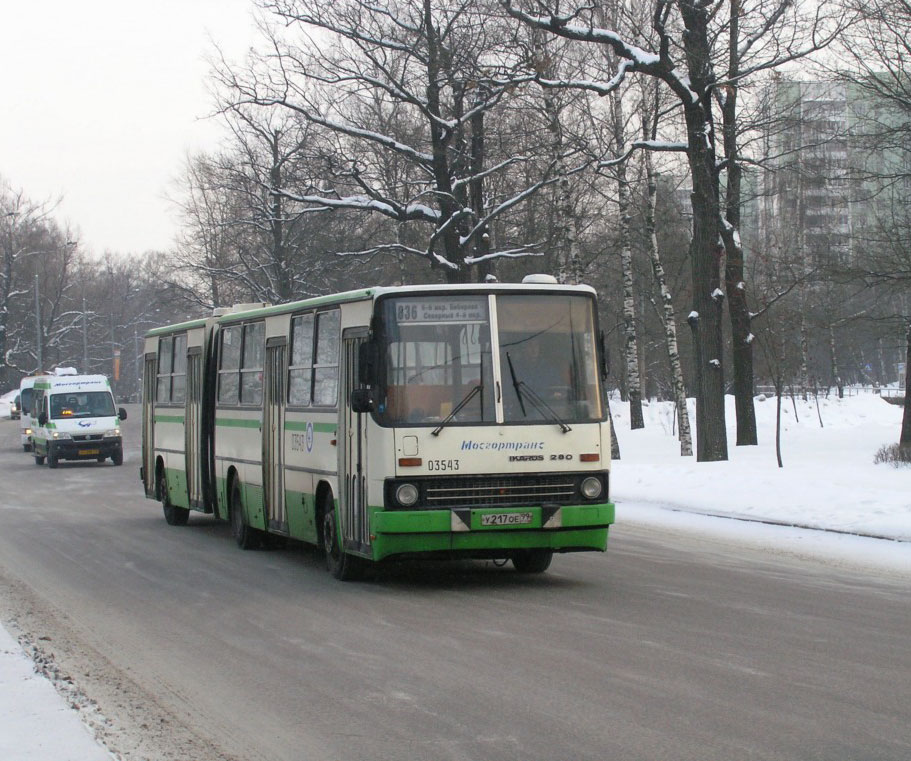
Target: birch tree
(649, 119)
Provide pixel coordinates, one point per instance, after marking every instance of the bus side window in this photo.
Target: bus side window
(165, 364)
(325, 374)
(179, 370)
(229, 364)
(300, 369)
(251, 366)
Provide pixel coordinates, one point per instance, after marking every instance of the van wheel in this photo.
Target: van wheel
(532, 561)
(341, 565)
(174, 516)
(51, 457)
(39, 460)
(247, 538)
(117, 457)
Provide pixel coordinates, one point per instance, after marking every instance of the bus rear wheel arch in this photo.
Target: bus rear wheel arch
(339, 563)
(247, 538)
(173, 515)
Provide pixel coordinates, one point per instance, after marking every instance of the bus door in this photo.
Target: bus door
(193, 427)
(149, 379)
(353, 450)
(274, 435)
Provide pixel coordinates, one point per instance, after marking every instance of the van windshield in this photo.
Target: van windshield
(25, 399)
(82, 404)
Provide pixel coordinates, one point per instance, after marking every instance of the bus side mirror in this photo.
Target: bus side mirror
(367, 361)
(361, 401)
(42, 419)
(122, 413)
(605, 357)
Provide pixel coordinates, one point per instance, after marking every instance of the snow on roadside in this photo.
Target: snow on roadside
(829, 480)
(37, 723)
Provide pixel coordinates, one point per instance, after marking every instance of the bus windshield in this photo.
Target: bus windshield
(82, 404)
(438, 353)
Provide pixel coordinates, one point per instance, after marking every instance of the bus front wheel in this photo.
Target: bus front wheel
(245, 536)
(341, 565)
(532, 561)
(173, 515)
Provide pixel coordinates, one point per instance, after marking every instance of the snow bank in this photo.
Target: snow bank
(828, 480)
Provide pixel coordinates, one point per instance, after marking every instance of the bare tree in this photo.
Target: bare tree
(414, 83)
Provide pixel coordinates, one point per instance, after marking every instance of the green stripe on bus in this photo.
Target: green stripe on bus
(293, 425)
(232, 422)
(169, 418)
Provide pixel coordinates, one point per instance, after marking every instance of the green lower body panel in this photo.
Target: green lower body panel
(301, 510)
(485, 532)
(177, 487)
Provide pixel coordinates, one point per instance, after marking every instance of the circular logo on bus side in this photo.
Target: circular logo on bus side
(309, 437)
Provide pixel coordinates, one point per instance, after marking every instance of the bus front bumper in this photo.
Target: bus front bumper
(490, 532)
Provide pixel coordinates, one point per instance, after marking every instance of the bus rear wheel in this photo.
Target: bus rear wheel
(340, 564)
(247, 538)
(174, 516)
(532, 561)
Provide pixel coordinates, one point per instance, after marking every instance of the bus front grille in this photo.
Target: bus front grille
(498, 491)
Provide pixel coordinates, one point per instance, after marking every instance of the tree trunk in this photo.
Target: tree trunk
(670, 325)
(629, 305)
(804, 347)
(614, 443)
(779, 388)
(566, 245)
(439, 142)
(705, 248)
(905, 439)
(833, 356)
(741, 337)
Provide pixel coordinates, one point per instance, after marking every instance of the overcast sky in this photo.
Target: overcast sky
(101, 102)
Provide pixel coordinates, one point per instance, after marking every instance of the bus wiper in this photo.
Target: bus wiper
(472, 393)
(539, 404)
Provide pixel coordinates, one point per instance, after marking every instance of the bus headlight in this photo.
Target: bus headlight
(592, 487)
(28, 431)
(112, 434)
(406, 494)
(61, 435)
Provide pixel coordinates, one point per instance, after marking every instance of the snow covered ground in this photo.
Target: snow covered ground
(829, 481)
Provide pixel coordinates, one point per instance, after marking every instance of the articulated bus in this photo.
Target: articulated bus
(388, 423)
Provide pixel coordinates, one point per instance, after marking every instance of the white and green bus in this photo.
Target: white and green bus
(401, 422)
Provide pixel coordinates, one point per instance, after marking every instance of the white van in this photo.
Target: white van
(76, 420)
(27, 423)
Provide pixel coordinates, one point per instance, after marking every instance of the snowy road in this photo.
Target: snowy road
(669, 646)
